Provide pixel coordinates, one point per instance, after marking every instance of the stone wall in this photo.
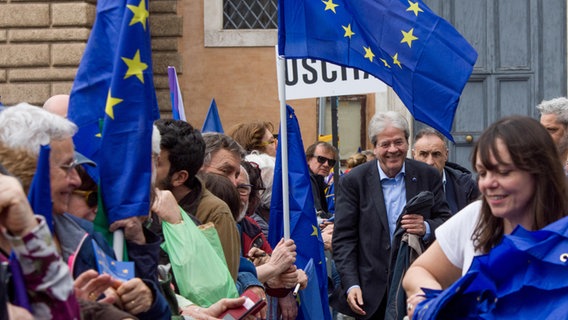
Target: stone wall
(41, 44)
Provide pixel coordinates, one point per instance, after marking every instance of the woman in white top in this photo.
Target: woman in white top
(522, 182)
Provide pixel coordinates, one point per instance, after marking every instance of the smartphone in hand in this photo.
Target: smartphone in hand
(252, 305)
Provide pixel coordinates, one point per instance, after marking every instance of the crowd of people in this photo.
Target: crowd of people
(392, 226)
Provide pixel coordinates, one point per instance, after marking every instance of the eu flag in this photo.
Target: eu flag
(304, 228)
(401, 42)
(212, 121)
(39, 194)
(114, 84)
(521, 277)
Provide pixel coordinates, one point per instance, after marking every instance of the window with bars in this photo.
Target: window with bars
(250, 14)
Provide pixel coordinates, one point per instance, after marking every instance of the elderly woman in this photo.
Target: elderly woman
(26, 127)
(522, 184)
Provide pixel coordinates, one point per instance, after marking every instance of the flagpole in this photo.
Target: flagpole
(118, 244)
(283, 141)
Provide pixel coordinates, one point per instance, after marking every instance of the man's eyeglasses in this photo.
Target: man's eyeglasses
(91, 197)
(322, 160)
(244, 188)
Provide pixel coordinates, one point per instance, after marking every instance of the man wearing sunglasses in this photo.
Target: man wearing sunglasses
(321, 157)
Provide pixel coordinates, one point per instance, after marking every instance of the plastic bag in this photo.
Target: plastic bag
(212, 236)
(201, 275)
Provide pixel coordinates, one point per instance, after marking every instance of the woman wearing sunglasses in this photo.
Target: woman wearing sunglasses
(83, 200)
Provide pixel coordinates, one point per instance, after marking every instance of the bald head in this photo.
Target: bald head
(57, 104)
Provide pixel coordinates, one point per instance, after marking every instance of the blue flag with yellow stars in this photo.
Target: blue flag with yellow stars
(120, 270)
(304, 229)
(401, 42)
(114, 87)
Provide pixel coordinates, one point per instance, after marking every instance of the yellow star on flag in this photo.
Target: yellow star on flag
(348, 32)
(329, 5)
(135, 67)
(315, 232)
(140, 14)
(385, 63)
(110, 103)
(369, 54)
(414, 7)
(396, 61)
(408, 37)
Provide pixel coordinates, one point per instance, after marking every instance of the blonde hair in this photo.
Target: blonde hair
(355, 160)
(19, 162)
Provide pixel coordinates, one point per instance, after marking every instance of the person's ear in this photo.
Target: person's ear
(179, 178)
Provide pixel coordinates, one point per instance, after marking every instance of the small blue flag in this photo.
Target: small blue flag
(401, 42)
(39, 194)
(212, 121)
(304, 229)
(120, 270)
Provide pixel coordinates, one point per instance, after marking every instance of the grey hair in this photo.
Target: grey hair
(382, 120)
(216, 141)
(429, 131)
(557, 106)
(156, 139)
(28, 127)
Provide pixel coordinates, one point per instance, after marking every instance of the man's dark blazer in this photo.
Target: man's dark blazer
(461, 187)
(361, 240)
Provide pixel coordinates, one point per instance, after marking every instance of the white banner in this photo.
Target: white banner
(310, 78)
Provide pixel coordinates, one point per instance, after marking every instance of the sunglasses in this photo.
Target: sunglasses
(91, 197)
(322, 160)
(267, 143)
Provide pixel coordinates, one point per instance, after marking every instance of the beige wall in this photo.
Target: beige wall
(241, 79)
(41, 44)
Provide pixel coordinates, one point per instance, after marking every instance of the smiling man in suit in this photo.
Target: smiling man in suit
(371, 199)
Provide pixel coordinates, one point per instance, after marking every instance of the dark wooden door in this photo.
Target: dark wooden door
(521, 46)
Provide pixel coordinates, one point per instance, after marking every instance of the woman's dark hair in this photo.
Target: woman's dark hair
(255, 179)
(87, 183)
(223, 189)
(532, 150)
